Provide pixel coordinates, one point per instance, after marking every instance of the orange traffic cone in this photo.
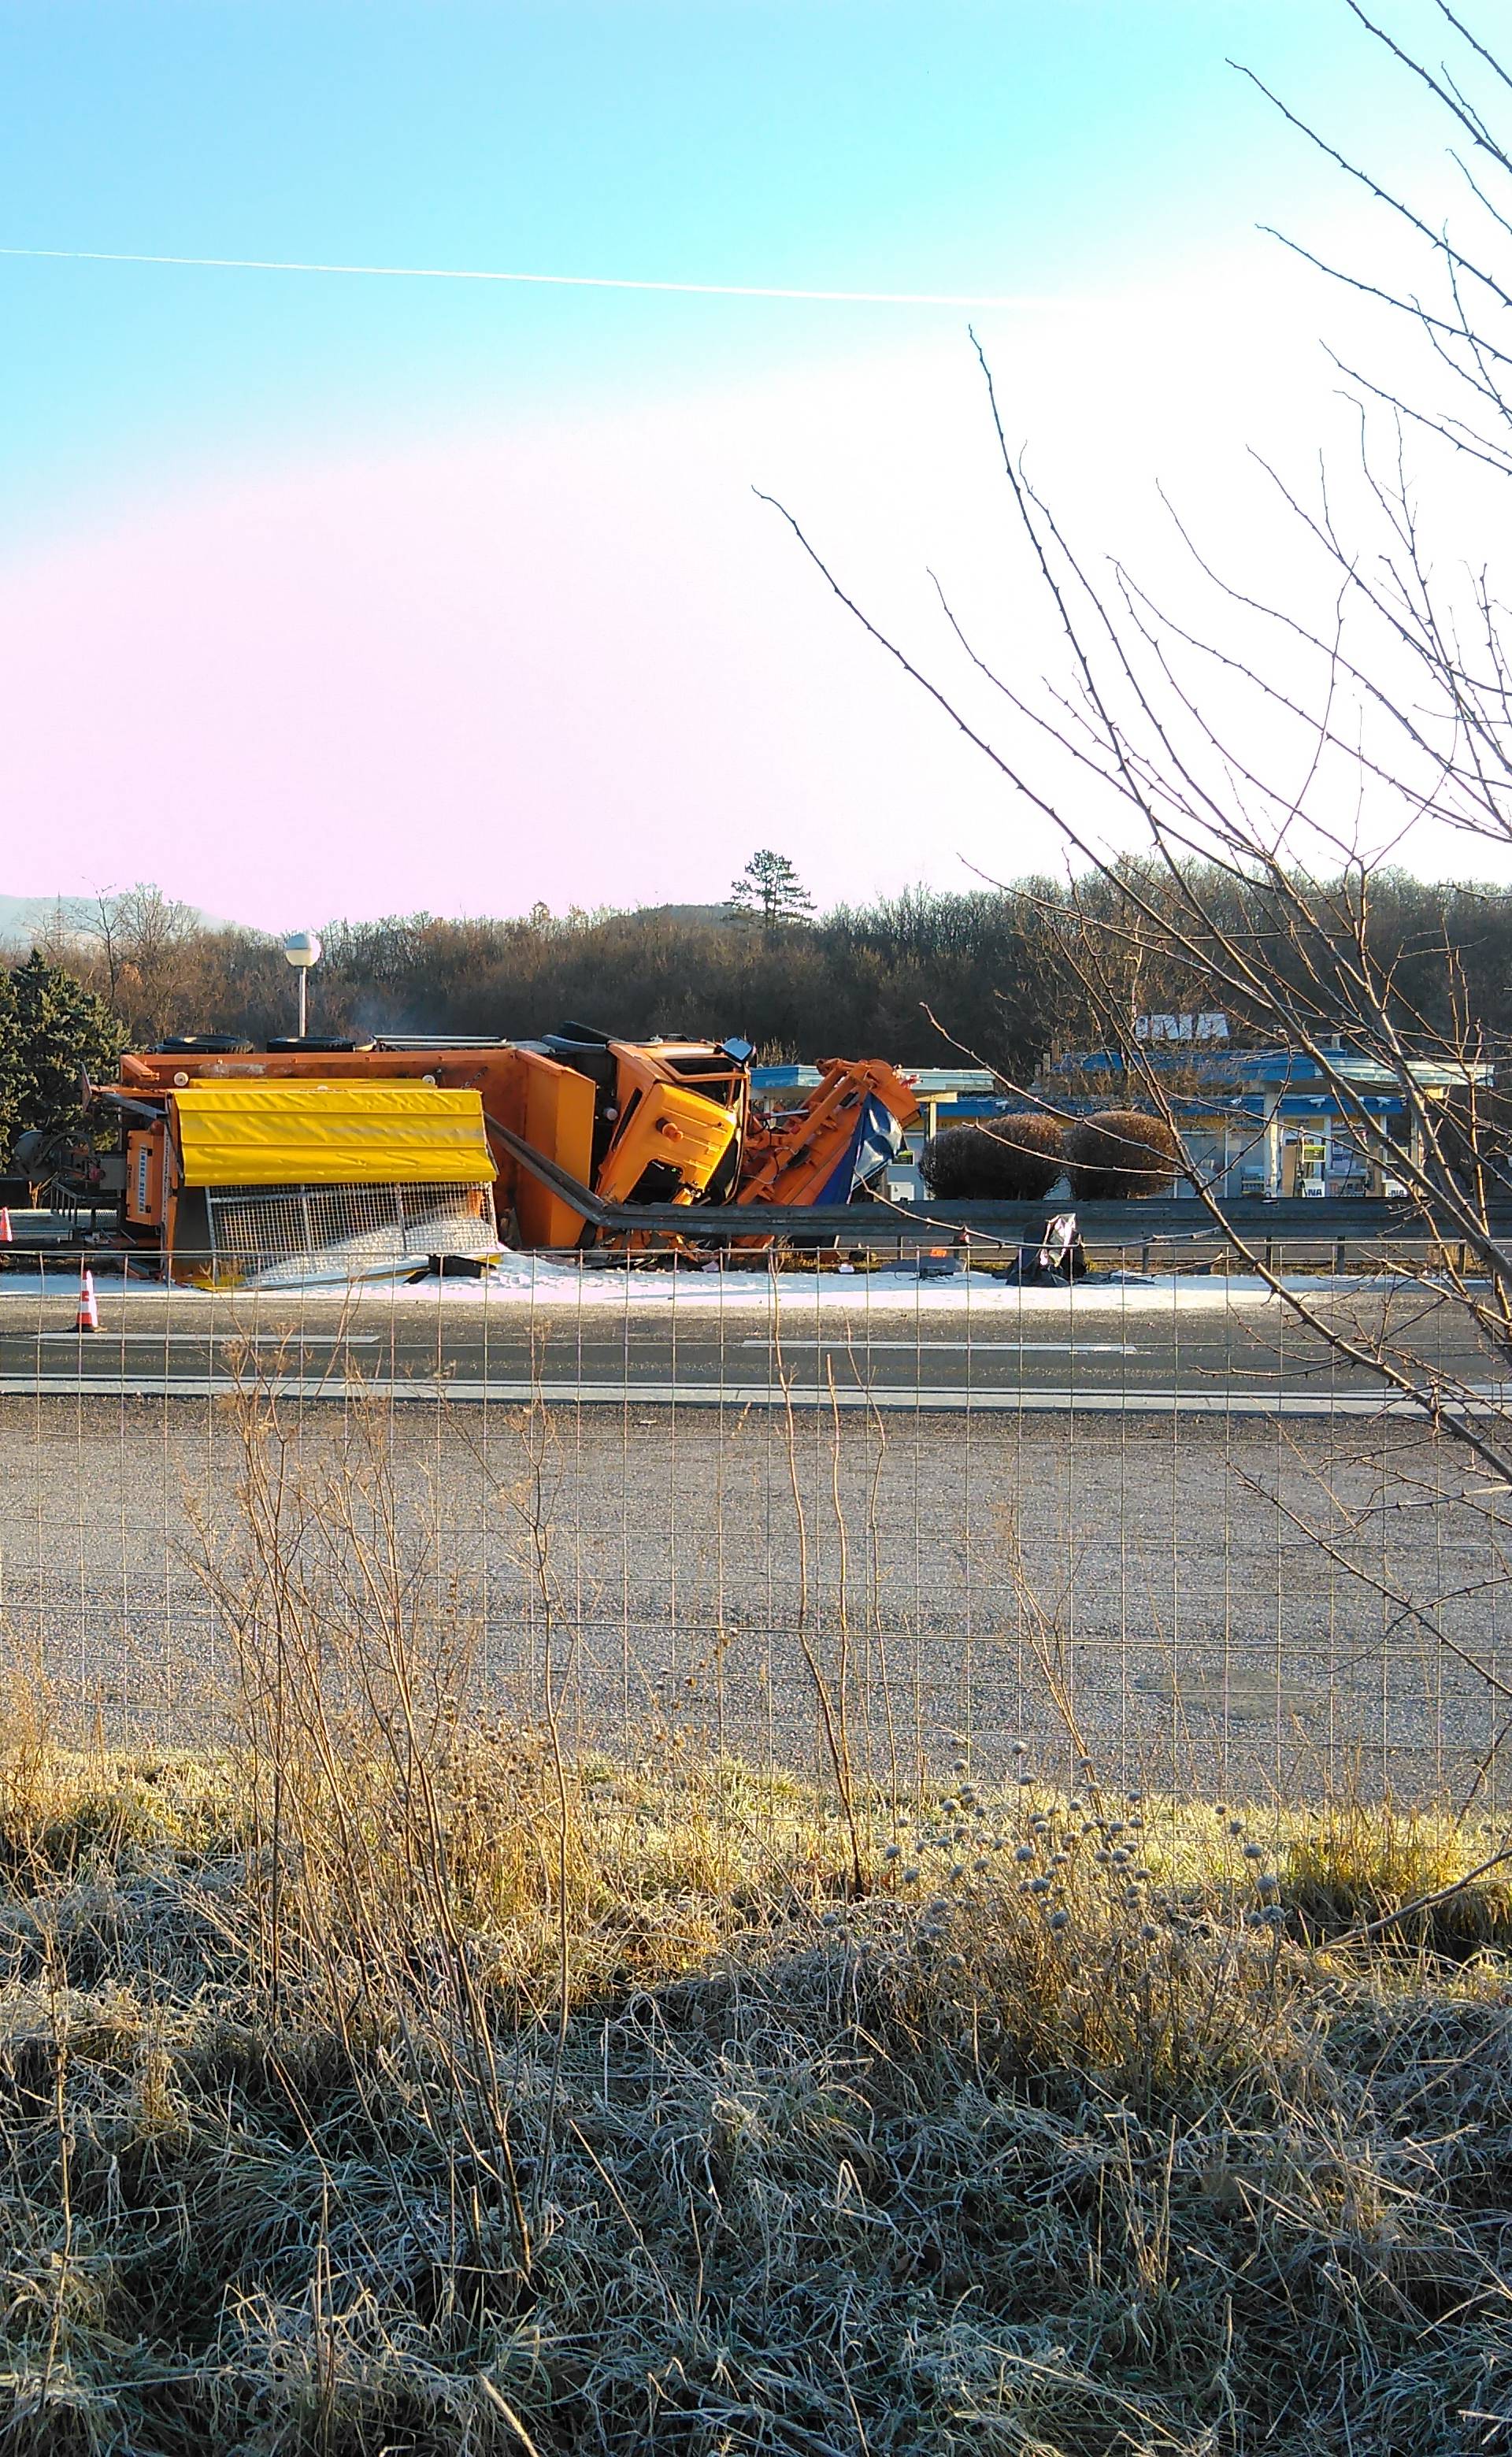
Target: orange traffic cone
(89, 1309)
(6, 1234)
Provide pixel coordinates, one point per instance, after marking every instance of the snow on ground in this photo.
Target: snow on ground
(536, 1280)
(539, 1280)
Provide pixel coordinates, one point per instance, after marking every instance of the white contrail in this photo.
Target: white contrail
(543, 280)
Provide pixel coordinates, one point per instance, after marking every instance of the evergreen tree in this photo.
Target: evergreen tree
(769, 887)
(52, 1031)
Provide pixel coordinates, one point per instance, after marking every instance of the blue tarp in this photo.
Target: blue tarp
(877, 1140)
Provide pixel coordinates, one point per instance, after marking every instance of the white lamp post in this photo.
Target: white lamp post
(302, 949)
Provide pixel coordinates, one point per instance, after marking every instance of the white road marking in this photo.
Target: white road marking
(214, 1338)
(941, 1399)
(864, 1347)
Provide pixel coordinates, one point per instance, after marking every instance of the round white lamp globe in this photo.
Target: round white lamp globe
(302, 949)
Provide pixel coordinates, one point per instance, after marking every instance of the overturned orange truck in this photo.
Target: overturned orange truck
(306, 1158)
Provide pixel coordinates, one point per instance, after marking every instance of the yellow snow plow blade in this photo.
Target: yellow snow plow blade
(330, 1134)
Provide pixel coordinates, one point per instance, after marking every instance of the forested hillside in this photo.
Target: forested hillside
(1004, 976)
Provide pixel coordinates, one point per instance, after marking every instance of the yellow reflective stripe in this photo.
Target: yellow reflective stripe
(331, 1135)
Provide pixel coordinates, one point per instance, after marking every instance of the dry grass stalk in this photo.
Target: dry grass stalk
(1063, 2137)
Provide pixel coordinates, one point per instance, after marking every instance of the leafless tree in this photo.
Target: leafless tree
(149, 955)
(1233, 776)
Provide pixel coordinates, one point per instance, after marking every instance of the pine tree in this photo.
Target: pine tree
(52, 1032)
(769, 887)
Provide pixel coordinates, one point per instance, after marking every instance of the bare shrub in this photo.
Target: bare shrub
(1119, 1153)
(1014, 1159)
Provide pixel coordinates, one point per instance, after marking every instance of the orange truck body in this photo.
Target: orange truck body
(580, 1114)
(790, 1155)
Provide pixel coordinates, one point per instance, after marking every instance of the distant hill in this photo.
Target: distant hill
(716, 913)
(22, 917)
(25, 918)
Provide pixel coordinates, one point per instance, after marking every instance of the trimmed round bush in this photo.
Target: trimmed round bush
(1014, 1159)
(1120, 1153)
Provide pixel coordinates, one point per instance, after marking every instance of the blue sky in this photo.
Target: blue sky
(1091, 152)
(1066, 149)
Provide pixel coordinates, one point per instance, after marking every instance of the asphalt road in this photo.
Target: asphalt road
(1180, 1512)
(1238, 1606)
(1136, 1349)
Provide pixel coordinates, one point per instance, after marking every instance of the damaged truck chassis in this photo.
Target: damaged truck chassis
(235, 1163)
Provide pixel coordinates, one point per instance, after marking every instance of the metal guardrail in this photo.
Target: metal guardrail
(1176, 1224)
(1336, 1222)
(1151, 1220)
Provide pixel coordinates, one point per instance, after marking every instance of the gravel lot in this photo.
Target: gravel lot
(940, 1574)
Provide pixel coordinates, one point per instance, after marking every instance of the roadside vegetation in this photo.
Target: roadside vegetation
(1005, 978)
(460, 2100)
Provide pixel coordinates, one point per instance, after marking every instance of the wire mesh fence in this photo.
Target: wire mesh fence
(306, 1232)
(854, 1524)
